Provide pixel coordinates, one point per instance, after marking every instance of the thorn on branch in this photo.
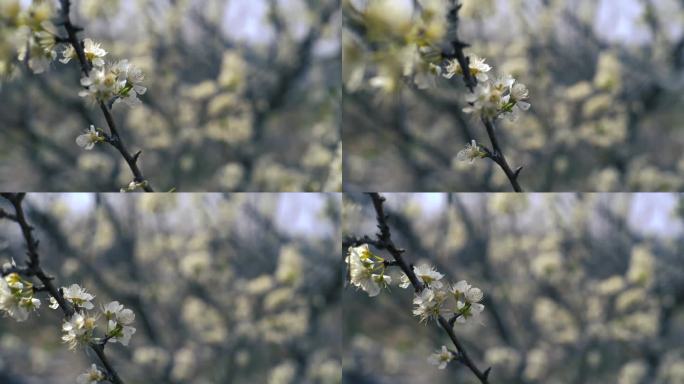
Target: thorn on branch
(136, 156)
(486, 372)
(517, 171)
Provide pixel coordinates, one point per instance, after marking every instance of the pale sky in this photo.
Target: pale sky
(651, 213)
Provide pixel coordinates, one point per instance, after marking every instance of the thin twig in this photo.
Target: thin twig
(115, 139)
(498, 157)
(385, 239)
(33, 268)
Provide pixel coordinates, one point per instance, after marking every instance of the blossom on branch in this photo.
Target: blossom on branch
(498, 99)
(441, 358)
(367, 270)
(428, 276)
(131, 77)
(78, 330)
(477, 67)
(93, 376)
(471, 152)
(120, 81)
(16, 297)
(94, 53)
(78, 296)
(88, 140)
(119, 320)
(467, 301)
(429, 304)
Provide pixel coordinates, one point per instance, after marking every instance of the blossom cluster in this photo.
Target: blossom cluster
(411, 48)
(410, 45)
(367, 270)
(492, 98)
(79, 329)
(17, 301)
(120, 81)
(16, 297)
(433, 298)
(38, 43)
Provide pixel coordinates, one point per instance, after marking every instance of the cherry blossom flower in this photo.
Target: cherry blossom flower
(78, 296)
(16, 297)
(428, 275)
(471, 152)
(441, 358)
(477, 66)
(93, 376)
(363, 266)
(88, 140)
(467, 301)
(78, 330)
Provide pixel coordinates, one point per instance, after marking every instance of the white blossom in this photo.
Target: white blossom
(120, 82)
(501, 98)
(467, 301)
(519, 97)
(471, 152)
(477, 66)
(131, 77)
(78, 330)
(88, 140)
(101, 85)
(119, 320)
(363, 269)
(428, 276)
(93, 376)
(93, 52)
(78, 296)
(119, 333)
(486, 100)
(16, 297)
(441, 358)
(428, 304)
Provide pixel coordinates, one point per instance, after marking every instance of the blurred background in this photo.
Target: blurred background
(584, 288)
(233, 288)
(605, 80)
(241, 95)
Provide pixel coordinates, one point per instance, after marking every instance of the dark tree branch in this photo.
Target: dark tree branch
(115, 139)
(457, 46)
(496, 154)
(385, 240)
(33, 268)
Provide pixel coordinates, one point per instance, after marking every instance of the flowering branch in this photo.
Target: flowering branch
(16, 299)
(470, 77)
(114, 138)
(366, 271)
